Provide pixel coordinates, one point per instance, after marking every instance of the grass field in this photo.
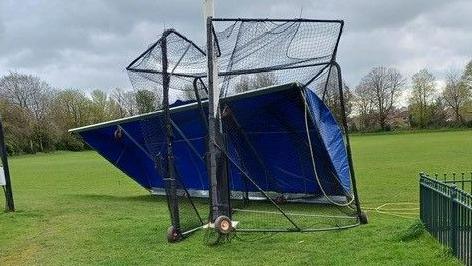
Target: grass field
(75, 208)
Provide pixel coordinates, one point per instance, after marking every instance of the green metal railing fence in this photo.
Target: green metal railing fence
(446, 212)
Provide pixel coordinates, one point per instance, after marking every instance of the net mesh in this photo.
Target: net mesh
(190, 212)
(253, 54)
(274, 209)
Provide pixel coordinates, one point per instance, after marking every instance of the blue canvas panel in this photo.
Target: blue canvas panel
(265, 135)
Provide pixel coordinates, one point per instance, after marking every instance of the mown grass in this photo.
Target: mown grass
(75, 208)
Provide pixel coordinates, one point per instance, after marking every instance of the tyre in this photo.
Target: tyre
(281, 199)
(223, 225)
(173, 235)
(363, 218)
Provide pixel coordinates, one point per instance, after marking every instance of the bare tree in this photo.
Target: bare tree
(384, 85)
(422, 98)
(364, 106)
(130, 104)
(260, 80)
(32, 96)
(243, 85)
(328, 90)
(26, 91)
(439, 117)
(118, 96)
(18, 126)
(17, 88)
(145, 101)
(71, 108)
(99, 106)
(125, 102)
(188, 93)
(467, 75)
(457, 94)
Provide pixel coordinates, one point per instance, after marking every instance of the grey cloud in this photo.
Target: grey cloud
(87, 43)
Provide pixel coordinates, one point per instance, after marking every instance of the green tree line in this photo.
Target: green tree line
(384, 100)
(37, 117)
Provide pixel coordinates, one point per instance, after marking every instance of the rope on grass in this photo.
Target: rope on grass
(298, 214)
(406, 213)
(399, 212)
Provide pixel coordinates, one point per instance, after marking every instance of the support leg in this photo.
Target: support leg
(362, 216)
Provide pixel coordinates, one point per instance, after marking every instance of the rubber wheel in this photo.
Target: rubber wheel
(223, 225)
(280, 200)
(173, 235)
(363, 218)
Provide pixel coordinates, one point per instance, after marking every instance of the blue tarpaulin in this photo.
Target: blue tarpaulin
(266, 136)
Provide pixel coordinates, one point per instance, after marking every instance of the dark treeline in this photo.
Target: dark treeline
(379, 102)
(37, 117)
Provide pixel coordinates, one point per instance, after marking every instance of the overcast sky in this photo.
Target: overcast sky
(86, 44)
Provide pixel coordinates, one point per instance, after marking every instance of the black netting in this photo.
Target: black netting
(190, 212)
(186, 62)
(267, 47)
(281, 44)
(252, 54)
(269, 208)
(326, 87)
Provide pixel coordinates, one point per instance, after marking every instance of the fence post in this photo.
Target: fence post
(10, 205)
(453, 231)
(422, 217)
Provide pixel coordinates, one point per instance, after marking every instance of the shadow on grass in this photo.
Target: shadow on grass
(113, 198)
(414, 232)
(22, 213)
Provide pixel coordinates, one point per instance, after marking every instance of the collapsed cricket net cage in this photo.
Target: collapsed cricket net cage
(269, 176)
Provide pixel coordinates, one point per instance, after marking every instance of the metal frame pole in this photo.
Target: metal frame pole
(362, 219)
(297, 228)
(453, 232)
(199, 101)
(170, 173)
(10, 204)
(212, 125)
(217, 164)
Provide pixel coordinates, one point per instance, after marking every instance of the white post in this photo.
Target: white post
(3, 181)
(217, 167)
(209, 11)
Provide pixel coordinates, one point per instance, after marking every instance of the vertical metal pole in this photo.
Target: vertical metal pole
(212, 125)
(170, 173)
(326, 85)
(199, 101)
(348, 143)
(421, 198)
(217, 164)
(212, 59)
(454, 212)
(462, 181)
(10, 205)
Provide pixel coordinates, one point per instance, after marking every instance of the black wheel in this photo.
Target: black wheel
(281, 199)
(363, 218)
(173, 235)
(223, 225)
